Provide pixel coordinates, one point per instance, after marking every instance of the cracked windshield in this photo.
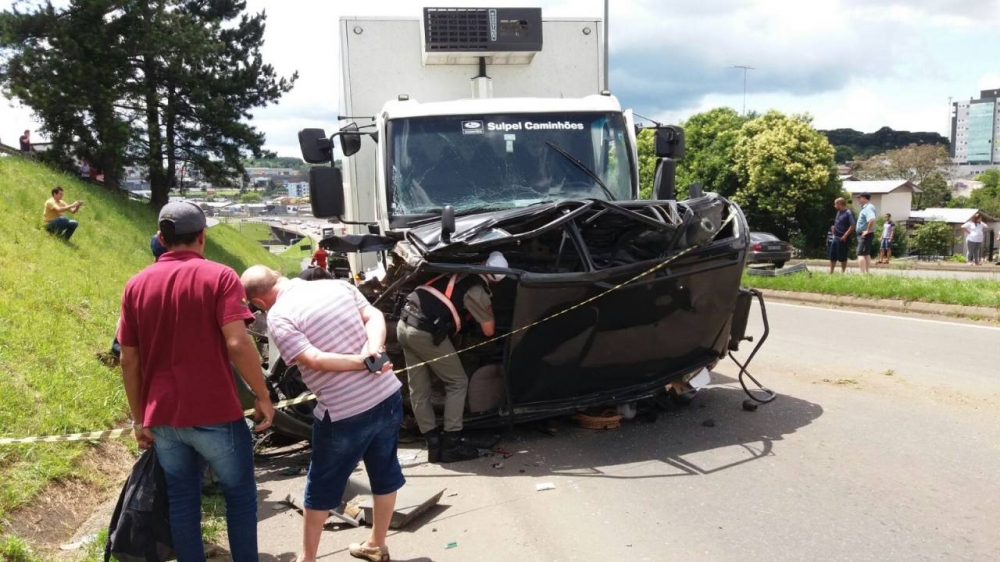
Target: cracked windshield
(491, 162)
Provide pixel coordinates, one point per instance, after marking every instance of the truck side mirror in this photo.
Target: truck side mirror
(315, 146)
(326, 191)
(350, 140)
(670, 142)
(664, 181)
(447, 224)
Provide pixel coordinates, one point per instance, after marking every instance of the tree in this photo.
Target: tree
(787, 177)
(251, 198)
(710, 138)
(933, 239)
(936, 192)
(851, 144)
(647, 162)
(990, 179)
(159, 82)
(914, 162)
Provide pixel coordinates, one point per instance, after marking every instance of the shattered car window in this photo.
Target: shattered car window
(492, 162)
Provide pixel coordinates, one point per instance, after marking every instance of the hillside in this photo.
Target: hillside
(59, 304)
(855, 145)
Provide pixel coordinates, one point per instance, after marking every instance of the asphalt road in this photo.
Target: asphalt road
(884, 445)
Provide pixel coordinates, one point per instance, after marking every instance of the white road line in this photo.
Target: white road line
(911, 319)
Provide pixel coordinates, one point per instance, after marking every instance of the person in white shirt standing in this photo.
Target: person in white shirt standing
(888, 233)
(975, 231)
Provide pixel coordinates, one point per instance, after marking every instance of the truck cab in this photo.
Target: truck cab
(498, 154)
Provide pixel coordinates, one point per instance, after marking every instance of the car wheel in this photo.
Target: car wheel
(779, 264)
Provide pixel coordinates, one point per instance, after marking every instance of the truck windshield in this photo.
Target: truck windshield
(491, 162)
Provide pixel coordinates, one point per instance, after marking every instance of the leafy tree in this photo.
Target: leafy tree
(647, 162)
(936, 192)
(251, 198)
(960, 202)
(158, 82)
(933, 238)
(914, 162)
(710, 138)
(851, 144)
(990, 179)
(787, 177)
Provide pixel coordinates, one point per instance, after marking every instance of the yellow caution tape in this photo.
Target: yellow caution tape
(115, 433)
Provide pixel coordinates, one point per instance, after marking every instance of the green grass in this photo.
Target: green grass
(14, 549)
(59, 304)
(254, 230)
(979, 292)
(298, 250)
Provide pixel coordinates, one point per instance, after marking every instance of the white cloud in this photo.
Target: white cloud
(850, 63)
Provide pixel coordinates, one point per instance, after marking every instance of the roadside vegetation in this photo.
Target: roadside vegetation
(978, 292)
(59, 302)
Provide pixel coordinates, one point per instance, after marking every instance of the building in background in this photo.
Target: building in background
(975, 129)
(297, 189)
(889, 196)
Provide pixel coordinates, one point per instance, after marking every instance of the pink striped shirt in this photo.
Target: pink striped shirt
(326, 315)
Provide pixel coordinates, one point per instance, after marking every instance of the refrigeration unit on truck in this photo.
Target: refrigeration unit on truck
(473, 130)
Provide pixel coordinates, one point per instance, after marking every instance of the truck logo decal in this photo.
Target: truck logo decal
(472, 127)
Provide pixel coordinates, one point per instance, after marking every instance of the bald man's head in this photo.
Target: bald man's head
(261, 284)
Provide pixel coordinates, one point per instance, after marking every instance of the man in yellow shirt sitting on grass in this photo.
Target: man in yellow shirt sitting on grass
(53, 217)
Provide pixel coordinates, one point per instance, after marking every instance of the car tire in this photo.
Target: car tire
(779, 264)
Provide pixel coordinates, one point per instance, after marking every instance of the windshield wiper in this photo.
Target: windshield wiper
(576, 161)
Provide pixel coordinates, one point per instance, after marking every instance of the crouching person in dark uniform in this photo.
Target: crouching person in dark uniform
(432, 314)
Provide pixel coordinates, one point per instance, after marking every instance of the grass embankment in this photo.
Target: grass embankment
(979, 292)
(298, 250)
(59, 304)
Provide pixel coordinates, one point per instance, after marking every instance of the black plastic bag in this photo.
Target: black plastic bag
(140, 527)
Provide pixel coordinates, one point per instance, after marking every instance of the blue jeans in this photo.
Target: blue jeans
(62, 226)
(227, 447)
(338, 447)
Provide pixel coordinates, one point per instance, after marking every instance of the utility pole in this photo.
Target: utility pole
(745, 69)
(606, 29)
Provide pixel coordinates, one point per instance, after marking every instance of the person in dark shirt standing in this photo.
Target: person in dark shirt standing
(842, 228)
(26, 143)
(183, 320)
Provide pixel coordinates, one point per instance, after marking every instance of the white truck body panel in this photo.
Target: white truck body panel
(382, 58)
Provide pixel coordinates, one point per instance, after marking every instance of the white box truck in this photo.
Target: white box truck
(474, 130)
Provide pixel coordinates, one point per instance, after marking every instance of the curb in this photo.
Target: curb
(977, 313)
(910, 265)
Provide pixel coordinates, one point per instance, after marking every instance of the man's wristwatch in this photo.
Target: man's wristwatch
(136, 425)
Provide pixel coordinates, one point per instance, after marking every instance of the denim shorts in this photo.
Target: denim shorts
(338, 447)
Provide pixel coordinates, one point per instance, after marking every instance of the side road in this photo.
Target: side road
(974, 313)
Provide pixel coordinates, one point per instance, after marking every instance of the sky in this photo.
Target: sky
(860, 64)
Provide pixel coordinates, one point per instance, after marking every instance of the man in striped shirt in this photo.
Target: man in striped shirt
(327, 328)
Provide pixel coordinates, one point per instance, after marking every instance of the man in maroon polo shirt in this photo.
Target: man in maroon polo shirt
(183, 320)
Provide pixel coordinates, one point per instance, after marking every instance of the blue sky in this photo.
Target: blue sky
(861, 64)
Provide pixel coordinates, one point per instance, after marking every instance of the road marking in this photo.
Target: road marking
(842, 311)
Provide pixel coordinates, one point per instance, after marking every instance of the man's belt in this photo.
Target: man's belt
(417, 321)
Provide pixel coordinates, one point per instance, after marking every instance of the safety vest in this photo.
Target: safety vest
(444, 296)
